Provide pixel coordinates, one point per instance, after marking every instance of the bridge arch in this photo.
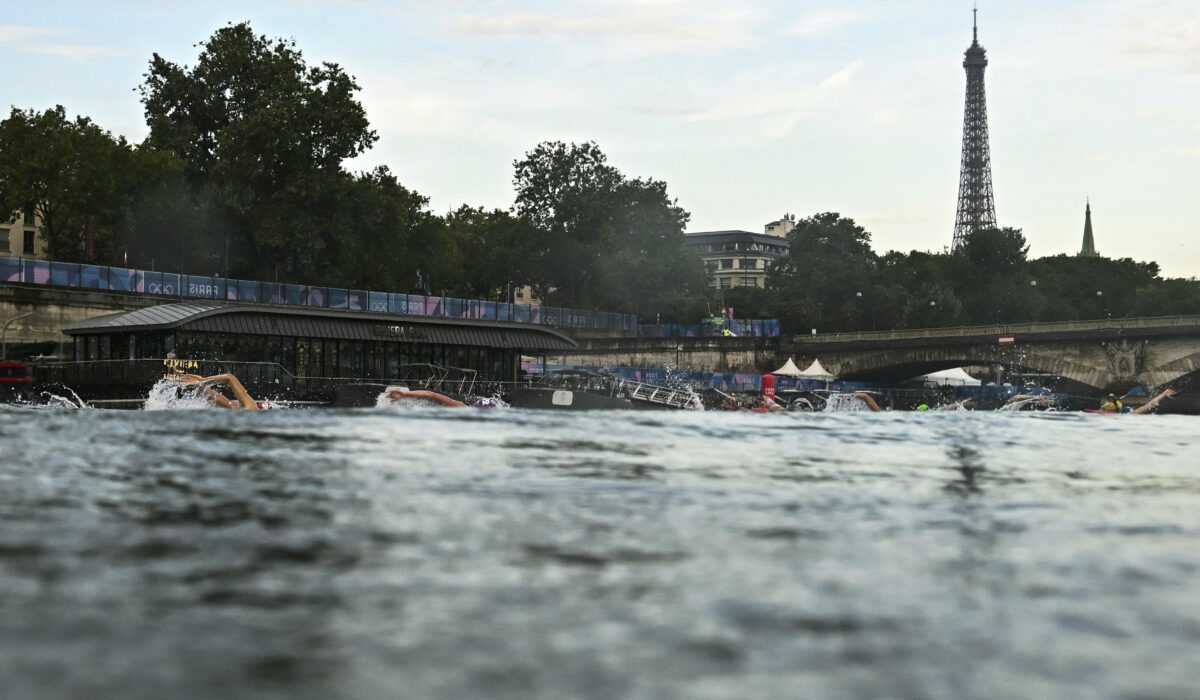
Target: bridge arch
(893, 365)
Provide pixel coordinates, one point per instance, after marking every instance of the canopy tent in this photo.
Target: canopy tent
(816, 371)
(950, 377)
(789, 369)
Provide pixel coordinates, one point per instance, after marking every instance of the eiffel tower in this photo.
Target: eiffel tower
(976, 208)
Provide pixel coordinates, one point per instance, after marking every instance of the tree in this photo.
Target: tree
(496, 251)
(265, 134)
(75, 176)
(598, 238)
(563, 191)
(646, 265)
(829, 262)
(377, 235)
(992, 278)
(933, 306)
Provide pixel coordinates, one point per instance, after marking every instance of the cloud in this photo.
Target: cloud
(78, 53)
(824, 23)
(24, 39)
(12, 34)
(1169, 34)
(653, 27)
(775, 112)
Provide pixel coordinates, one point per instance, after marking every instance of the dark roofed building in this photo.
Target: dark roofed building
(298, 351)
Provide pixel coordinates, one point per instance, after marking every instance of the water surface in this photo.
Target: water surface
(437, 553)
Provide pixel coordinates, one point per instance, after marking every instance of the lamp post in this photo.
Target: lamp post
(1099, 297)
(4, 334)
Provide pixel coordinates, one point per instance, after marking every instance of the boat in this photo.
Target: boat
(570, 389)
(575, 389)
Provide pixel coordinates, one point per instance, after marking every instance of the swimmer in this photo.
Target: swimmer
(421, 394)
(1039, 399)
(772, 406)
(1149, 405)
(243, 400)
(440, 399)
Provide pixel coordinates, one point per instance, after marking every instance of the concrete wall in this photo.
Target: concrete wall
(55, 307)
(747, 355)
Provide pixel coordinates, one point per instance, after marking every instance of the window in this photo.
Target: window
(748, 263)
(29, 242)
(4, 240)
(726, 282)
(726, 263)
(748, 282)
(29, 216)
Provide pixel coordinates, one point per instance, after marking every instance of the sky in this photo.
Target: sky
(748, 110)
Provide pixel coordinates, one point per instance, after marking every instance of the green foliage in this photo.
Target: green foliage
(75, 175)
(597, 238)
(495, 252)
(832, 281)
(264, 136)
(829, 265)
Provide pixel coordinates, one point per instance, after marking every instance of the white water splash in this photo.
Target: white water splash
(51, 400)
(170, 395)
(845, 403)
(1035, 401)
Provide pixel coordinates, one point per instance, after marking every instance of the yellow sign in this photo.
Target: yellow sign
(176, 368)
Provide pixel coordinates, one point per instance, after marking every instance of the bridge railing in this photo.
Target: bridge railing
(1005, 329)
(119, 279)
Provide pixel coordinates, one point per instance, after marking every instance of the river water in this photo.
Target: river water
(440, 553)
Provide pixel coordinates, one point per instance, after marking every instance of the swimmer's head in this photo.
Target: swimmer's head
(487, 402)
(267, 405)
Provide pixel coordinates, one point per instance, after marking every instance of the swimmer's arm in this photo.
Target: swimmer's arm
(1149, 405)
(866, 398)
(244, 401)
(396, 395)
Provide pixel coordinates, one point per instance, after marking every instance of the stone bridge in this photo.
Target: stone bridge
(1108, 355)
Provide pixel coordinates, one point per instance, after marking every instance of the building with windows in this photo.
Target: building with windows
(19, 236)
(740, 258)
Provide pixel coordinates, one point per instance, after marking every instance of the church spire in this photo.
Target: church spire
(1089, 243)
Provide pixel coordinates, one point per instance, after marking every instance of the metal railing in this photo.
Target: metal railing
(119, 279)
(1006, 329)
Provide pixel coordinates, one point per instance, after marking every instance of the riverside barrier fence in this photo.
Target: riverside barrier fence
(119, 279)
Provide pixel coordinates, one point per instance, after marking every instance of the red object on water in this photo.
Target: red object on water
(768, 386)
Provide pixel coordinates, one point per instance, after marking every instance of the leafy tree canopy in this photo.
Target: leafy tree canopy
(74, 175)
(600, 239)
(264, 134)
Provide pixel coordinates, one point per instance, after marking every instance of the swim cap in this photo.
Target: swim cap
(265, 405)
(923, 407)
(486, 403)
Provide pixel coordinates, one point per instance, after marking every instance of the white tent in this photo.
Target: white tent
(789, 369)
(816, 371)
(950, 377)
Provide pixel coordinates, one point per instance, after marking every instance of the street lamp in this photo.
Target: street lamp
(1099, 295)
(4, 334)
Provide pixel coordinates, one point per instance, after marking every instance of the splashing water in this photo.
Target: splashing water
(844, 403)
(1020, 405)
(170, 395)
